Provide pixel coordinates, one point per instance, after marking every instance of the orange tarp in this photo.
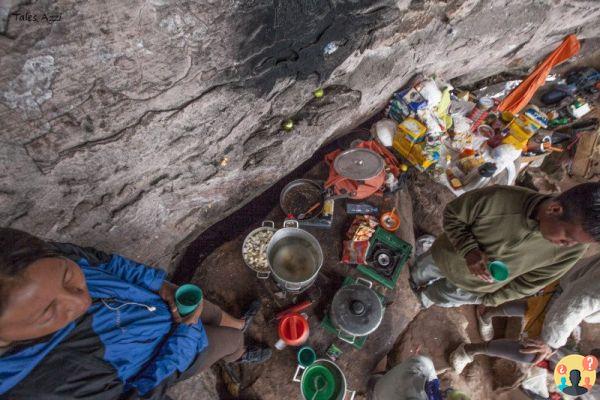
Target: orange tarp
(520, 96)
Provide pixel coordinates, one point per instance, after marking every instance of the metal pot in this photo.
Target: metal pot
(294, 256)
(356, 310)
(341, 391)
(266, 226)
(298, 184)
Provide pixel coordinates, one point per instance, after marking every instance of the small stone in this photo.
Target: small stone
(224, 162)
(330, 48)
(319, 93)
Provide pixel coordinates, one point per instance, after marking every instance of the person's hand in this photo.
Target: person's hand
(167, 293)
(477, 262)
(538, 348)
(193, 318)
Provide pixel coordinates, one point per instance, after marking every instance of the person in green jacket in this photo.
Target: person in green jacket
(539, 237)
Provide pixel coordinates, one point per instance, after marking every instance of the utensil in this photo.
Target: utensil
(356, 310)
(498, 270)
(306, 356)
(187, 299)
(260, 273)
(293, 330)
(390, 221)
(311, 209)
(295, 309)
(336, 384)
(299, 195)
(294, 256)
(358, 164)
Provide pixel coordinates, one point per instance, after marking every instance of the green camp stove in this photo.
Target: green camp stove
(355, 311)
(385, 258)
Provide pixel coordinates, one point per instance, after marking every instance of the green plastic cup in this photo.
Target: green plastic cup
(187, 299)
(306, 356)
(498, 270)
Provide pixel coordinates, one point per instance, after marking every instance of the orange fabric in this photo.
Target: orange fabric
(520, 96)
(536, 311)
(361, 189)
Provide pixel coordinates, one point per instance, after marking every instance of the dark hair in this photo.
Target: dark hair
(18, 250)
(581, 204)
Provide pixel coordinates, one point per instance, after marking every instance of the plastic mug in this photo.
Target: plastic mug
(498, 270)
(306, 356)
(293, 330)
(187, 298)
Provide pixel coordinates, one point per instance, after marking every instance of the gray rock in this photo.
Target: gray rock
(133, 126)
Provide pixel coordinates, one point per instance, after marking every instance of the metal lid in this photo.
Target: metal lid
(358, 164)
(356, 309)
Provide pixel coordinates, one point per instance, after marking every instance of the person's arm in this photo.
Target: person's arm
(530, 283)
(459, 216)
(568, 311)
(175, 355)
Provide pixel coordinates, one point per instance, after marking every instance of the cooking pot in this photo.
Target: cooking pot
(356, 310)
(323, 380)
(294, 256)
(261, 273)
(298, 196)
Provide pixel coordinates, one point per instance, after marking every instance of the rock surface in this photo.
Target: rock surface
(134, 126)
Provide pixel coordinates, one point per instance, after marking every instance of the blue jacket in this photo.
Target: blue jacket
(136, 344)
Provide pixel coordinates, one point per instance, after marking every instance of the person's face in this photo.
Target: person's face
(559, 231)
(49, 295)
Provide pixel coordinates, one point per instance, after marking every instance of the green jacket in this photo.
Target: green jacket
(500, 221)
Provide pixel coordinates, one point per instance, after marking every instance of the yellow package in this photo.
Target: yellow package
(412, 129)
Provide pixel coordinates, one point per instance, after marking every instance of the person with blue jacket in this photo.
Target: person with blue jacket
(77, 323)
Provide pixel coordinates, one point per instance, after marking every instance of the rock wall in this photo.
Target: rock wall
(135, 125)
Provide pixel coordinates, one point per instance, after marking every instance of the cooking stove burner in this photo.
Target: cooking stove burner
(383, 260)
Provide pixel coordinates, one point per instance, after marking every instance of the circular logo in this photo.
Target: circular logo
(575, 375)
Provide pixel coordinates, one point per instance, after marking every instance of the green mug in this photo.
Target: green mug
(306, 356)
(498, 270)
(187, 298)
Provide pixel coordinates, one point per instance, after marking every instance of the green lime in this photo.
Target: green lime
(288, 125)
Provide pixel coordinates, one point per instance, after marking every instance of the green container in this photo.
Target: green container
(498, 270)
(318, 383)
(399, 246)
(306, 356)
(187, 299)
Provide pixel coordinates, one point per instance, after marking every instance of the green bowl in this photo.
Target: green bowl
(318, 383)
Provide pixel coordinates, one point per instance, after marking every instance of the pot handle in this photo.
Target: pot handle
(346, 338)
(289, 286)
(352, 394)
(365, 282)
(263, 275)
(291, 223)
(269, 224)
(297, 378)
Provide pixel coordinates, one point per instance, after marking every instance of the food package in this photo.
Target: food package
(362, 228)
(355, 252)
